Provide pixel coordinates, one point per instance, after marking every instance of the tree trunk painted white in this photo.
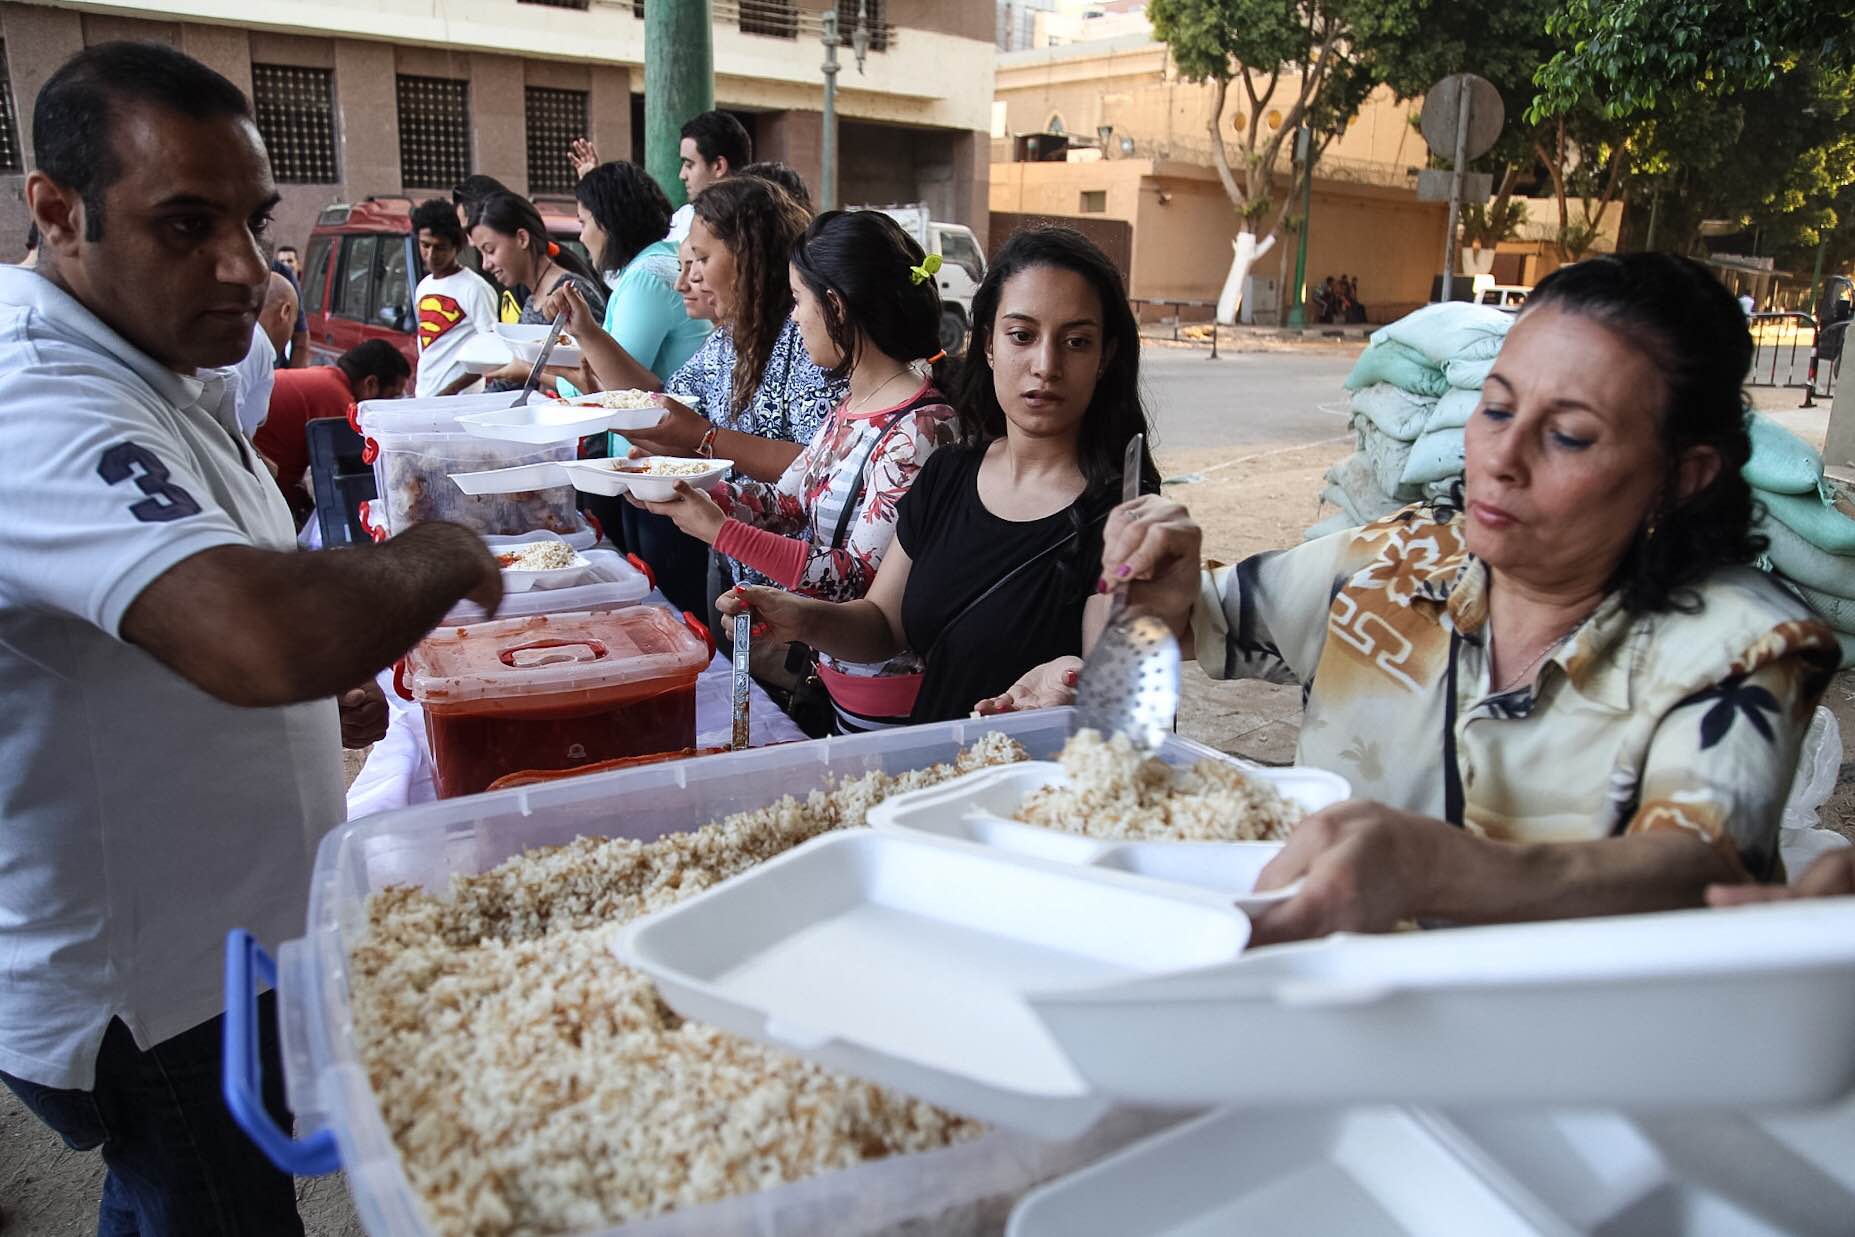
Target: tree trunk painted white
(1244, 255)
(1477, 261)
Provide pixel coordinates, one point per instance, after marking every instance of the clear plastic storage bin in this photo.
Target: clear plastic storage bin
(415, 445)
(962, 1189)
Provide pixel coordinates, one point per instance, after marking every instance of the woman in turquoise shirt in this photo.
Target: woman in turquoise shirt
(645, 338)
(646, 335)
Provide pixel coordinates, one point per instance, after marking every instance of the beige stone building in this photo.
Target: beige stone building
(1151, 167)
(360, 97)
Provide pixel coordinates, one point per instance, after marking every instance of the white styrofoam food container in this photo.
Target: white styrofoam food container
(525, 579)
(905, 960)
(328, 1085)
(1684, 1009)
(524, 339)
(608, 477)
(1363, 1172)
(611, 583)
(979, 807)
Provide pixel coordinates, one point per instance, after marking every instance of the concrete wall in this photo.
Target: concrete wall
(878, 160)
(1183, 225)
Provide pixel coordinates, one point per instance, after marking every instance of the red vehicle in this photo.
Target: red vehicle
(362, 266)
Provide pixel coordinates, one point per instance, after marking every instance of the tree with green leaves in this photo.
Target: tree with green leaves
(1632, 54)
(1301, 59)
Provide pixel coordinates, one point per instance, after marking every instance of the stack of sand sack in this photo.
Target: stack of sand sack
(1414, 388)
(1809, 522)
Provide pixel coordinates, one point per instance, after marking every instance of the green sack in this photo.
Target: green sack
(1829, 526)
(1394, 410)
(1838, 612)
(1387, 456)
(1433, 457)
(1848, 648)
(1467, 375)
(1805, 563)
(1404, 368)
(1450, 331)
(1781, 462)
(1453, 411)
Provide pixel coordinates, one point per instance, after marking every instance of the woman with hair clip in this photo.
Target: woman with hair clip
(513, 243)
(998, 542)
(866, 308)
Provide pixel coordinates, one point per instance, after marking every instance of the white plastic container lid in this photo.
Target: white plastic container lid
(437, 415)
(612, 584)
(552, 654)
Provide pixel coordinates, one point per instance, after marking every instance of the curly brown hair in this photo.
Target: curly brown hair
(758, 222)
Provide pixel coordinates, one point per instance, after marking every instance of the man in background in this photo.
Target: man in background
(714, 147)
(374, 369)
(255, 374)
(453, 303)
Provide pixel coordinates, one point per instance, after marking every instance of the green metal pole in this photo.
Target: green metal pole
(1297, 313)
(1816, 276)
(679, 82)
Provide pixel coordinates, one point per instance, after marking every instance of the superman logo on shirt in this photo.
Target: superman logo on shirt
(438, 314)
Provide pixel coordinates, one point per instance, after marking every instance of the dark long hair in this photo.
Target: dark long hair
(758, 222)
(509, 213)
(1115, 413)
(628, 205)
(865, 260)
(1690, 326)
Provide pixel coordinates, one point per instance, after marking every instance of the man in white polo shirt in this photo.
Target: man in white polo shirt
(170, 665)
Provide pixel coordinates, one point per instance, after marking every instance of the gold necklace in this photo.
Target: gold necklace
(901, 373)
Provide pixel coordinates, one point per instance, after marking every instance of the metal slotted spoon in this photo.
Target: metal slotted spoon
(1130, 680)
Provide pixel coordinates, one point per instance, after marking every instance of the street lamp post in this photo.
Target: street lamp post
(1304, 150)
(827, 145)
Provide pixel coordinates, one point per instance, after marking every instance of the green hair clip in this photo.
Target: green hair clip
(930, 266)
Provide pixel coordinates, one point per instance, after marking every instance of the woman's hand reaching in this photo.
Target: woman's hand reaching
(565, 298)
(779, 617)
(1042, 687)
(680, 432)
(693, 511)
(583, 155)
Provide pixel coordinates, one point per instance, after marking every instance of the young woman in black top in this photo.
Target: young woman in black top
(996, 564)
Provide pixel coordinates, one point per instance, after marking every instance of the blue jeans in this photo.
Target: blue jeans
(178, 1166)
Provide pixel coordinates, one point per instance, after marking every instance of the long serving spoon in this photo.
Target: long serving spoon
(1130, 680)
(547, 348)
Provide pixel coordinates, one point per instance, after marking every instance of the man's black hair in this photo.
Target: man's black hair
(74, 120)
(718, 135)
(439, 217)
(283, 249)
(376, 359)
(473, 191)
(783, 176)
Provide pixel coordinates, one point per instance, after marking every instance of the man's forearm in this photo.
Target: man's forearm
(262, 627)
(1638, 873)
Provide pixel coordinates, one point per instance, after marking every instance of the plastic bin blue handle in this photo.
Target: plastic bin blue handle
(242, 1078)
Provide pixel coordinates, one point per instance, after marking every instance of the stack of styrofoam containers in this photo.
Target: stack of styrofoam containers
(415, 445)
(1702, 1013)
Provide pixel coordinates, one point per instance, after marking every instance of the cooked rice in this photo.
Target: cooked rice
(629, 399)
(534, 1084)
(1114, 792)
(541, 556)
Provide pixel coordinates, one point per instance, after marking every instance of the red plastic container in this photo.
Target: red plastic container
(556, 691)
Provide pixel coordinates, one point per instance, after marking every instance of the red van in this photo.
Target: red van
(362, 267)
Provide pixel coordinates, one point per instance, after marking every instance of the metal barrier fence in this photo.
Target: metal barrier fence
(1825, 362)
(1779, 342)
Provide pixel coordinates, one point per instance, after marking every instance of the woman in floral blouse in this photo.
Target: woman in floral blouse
(1573, 695)
(867, 311)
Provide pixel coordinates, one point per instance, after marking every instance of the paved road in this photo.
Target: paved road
(1243, 398)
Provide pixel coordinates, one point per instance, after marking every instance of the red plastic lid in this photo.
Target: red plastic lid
(550, 654)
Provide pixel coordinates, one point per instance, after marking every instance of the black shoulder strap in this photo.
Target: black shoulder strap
(861, 477)
(1007, 578)
(1453, 799)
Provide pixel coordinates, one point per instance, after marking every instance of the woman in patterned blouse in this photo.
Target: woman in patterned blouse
(1573, 696)
(867, 311)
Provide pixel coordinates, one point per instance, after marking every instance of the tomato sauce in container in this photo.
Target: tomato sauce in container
(556, 691)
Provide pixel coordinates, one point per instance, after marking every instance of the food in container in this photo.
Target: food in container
(652, 478)
(612, 582)
(555, 691)
(525, 340)
(548, 564)
(416, 445)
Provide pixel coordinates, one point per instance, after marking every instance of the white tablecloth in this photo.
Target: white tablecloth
(399, 771)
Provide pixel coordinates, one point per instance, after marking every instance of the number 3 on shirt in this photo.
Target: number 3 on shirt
(166, 501)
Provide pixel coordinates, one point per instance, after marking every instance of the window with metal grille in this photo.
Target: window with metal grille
(776, 18)
(9, 122)
(875, 15)
(296, 114)
(434, 131)
(555, 118)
